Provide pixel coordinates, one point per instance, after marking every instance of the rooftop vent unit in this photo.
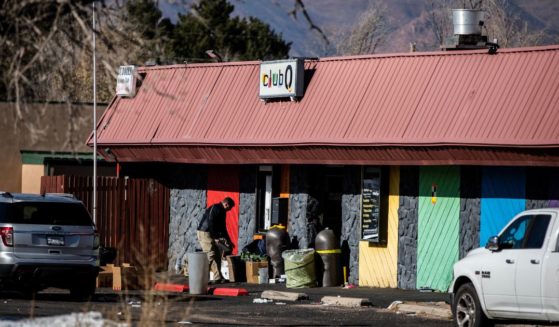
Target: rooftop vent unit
(468, 24)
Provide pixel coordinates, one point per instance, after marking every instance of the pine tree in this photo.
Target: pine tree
(145, 18)
(209, 26)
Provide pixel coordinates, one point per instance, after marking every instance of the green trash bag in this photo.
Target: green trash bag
(299, 268)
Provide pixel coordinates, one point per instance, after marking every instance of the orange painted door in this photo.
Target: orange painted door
(223, 181)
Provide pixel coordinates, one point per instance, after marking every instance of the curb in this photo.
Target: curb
(438, 310)
(165, 287)
(225, 291)
(182, 288)
(345, 301)
(283, 296)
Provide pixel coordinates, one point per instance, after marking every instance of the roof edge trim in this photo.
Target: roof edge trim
(122, 143)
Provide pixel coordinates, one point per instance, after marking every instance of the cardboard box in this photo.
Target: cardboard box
(237, 269)
(117, 279)
(125, 278)
(105, 279)
(130, 280)
(252, 270)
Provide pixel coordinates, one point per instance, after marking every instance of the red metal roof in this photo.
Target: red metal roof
(453, 99)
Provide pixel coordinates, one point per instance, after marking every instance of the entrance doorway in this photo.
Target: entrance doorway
(272, 196)
(326, 186)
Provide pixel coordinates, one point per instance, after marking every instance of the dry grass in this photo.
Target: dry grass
(138, 304)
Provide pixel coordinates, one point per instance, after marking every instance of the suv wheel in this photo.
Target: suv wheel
(84, 290)
(466, 308)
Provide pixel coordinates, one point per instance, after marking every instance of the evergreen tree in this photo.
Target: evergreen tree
(145, 18)
(209, 26)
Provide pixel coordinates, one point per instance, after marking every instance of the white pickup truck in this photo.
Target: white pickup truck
(516, 275)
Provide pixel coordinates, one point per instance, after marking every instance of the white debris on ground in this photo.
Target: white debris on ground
(87, 319)
(259, 300)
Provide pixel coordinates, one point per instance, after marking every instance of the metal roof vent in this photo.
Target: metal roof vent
(468, 25)
(467, 21)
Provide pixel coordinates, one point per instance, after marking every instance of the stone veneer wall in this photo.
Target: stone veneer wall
(188, 202)
(351, 208)
(407, 227)
(299, 188)
(247, 206)
(470, 208)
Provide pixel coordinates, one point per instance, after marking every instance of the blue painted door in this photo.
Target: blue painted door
(503, 195)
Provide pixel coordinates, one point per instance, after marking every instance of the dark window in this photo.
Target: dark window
(44, 213)
(527, 232)
(538, 229)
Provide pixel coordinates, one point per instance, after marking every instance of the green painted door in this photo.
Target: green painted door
(438, 226)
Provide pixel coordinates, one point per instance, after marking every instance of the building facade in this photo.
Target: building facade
(411, 159)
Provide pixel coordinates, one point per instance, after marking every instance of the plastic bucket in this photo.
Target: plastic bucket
(299, 268)
(263, 276)
(198, 272)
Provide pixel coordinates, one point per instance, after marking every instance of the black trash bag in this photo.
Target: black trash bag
(255, 247)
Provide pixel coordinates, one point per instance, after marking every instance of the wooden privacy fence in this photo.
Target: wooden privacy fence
(132, 214)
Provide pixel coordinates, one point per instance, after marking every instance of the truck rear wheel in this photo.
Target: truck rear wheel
(467, 309)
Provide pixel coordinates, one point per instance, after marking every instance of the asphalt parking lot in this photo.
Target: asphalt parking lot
(159, 308)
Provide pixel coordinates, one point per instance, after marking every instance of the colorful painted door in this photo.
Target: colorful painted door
(223, 181)
(378, 264)
(438, 226)
(503, 195)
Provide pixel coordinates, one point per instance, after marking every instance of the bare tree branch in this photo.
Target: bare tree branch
(300, 6)
(370, 32)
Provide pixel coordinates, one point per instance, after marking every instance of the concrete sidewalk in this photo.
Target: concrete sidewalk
(429, 304)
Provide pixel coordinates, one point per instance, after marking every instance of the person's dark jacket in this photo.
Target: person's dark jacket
(213, 221)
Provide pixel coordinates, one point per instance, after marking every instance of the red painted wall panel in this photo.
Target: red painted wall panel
(224, 181)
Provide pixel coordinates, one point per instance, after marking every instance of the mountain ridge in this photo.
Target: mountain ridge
(407, 21)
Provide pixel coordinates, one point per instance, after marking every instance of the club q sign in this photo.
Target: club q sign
(281, 79)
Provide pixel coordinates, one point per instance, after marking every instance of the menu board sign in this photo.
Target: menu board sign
(370, 205)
